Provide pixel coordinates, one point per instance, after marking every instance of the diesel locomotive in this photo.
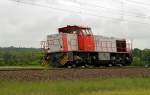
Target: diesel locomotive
(76, 46)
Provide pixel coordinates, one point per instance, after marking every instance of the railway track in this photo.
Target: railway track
(43, 73)
(50, 68)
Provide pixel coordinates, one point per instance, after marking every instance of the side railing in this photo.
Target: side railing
(44, 46)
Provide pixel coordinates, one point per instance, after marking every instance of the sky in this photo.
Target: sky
(26, 24)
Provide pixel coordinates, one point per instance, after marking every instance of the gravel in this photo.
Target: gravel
(73, 74)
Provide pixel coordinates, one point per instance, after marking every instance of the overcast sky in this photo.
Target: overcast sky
(24, 25)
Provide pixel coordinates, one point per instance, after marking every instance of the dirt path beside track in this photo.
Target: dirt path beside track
(72, 74)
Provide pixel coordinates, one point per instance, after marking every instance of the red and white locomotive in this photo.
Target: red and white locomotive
(77, 46)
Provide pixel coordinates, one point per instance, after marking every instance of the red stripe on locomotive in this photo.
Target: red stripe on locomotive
(86, 42)
(65, 44)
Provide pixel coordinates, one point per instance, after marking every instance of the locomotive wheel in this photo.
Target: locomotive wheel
(91, 66)
(146, 65)
(120, 65)
(86, 65)
(110, 65)
(74, 66)
(69, 67)
(83, 67)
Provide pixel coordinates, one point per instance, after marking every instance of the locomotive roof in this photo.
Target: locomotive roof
(72, 28)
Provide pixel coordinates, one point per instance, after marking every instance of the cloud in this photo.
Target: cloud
(25, 25)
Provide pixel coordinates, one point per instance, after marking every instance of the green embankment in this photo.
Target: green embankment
(20, 56)
(115, 86)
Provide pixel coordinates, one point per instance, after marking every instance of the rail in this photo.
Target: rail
(77, 68)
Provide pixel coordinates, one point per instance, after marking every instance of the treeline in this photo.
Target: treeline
(141, 57)
(12, 56)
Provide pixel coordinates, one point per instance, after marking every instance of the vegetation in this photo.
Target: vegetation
(12, 56)
(114, 86)
(20, 56)
(141, 57)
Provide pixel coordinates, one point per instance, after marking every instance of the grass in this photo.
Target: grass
(114, 86)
